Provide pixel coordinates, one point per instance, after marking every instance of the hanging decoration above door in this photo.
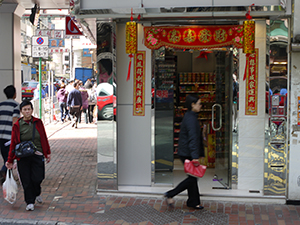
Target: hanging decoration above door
(131, 41)
(193, 37)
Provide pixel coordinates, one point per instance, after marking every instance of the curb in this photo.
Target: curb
(32, 222)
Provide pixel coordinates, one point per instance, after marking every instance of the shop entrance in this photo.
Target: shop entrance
(208, 74)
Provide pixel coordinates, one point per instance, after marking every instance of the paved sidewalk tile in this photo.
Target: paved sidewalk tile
(69, 194)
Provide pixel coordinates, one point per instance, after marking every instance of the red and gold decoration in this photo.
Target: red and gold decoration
(249, 37)
(251, 84)
(139, 84)
(193, 37)
(131, 42)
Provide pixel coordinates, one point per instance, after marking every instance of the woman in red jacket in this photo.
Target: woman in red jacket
(32, 168)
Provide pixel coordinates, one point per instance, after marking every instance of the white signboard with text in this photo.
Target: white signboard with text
(39, 46)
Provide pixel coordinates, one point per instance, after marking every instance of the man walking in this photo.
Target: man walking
(9, 114)
(74, 104)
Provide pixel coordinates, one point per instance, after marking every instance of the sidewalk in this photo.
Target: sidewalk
(69, 193)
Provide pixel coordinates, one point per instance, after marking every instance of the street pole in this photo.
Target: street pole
(40, 90)
(71, 60)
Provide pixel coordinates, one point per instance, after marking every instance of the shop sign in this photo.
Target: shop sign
(251, 83)
(193, 37)
(56, 43)
(139, 84)
(58, 50)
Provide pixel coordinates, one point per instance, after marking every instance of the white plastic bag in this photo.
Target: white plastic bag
(10, 188)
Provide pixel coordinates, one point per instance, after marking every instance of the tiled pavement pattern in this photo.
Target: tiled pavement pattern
(69, 193)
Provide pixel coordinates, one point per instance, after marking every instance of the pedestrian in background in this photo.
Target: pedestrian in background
(92, 101)
(190, 146)
(9, 114)
(50, 90)
(85, 102)
(62, 101)
(36, 93)
(31, 169)
(74, 104)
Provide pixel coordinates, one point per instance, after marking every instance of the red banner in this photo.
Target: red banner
(193, 37)
(139, 84)
(251, 83)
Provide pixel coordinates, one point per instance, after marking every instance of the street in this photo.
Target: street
(70, 197)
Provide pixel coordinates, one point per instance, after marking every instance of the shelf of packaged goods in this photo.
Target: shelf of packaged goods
(175, 145)
(204, 118)
(176, 130)
(177, 124)
(193, 83)
(197, 92)
(205, 110)
(176, 139)
(182, 102)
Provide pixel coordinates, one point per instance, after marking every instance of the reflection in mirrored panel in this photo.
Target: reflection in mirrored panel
(106, 106)
(276, 107)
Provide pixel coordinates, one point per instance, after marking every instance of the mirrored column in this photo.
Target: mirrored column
(106, 106)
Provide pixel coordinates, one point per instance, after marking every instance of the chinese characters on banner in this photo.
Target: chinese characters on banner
(139, 84)
(193, 37)
(251, 84)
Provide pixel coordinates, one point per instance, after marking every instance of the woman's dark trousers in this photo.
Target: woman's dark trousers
(191, 184)
(32, 172)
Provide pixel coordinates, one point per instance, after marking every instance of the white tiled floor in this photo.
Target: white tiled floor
(206, 185)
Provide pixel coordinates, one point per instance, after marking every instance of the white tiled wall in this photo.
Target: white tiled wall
(251, 128)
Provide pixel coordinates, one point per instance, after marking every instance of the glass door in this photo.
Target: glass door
(222, 118)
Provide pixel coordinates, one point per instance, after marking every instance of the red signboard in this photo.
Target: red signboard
(139, 84)
(193, 37)
(251, 83)
(71, 28)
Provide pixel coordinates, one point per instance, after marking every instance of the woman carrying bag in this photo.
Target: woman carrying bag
(31, 168)
(190, 146)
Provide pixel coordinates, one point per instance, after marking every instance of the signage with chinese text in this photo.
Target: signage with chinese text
(252, 84)
(193, 37)
(139, 84)
(39, 46)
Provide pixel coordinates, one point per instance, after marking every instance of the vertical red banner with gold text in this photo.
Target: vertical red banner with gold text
(252, 84)
(139, 84)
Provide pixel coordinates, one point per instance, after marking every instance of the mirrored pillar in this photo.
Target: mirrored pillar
(106, 106)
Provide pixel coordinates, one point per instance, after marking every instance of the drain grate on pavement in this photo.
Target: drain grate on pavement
(136, 214)
(141, 213)
(204, 217)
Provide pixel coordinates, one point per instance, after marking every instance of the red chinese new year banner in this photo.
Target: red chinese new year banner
(251, 83)
(139, 84)
(193, 37)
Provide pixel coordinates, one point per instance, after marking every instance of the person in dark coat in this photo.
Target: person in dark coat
(190, 147)
(74, 104)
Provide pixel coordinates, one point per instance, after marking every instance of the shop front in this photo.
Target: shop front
(137, 148)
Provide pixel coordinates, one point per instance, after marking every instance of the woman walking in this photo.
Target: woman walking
(31, 169)
(190, 147)
(92, 100)
(85, 102)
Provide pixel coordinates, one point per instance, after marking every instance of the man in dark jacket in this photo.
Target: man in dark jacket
(74, 104)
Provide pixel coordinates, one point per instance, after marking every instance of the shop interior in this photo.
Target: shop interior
(209, 74)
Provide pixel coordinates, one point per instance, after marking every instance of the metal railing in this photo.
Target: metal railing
(50, 109)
